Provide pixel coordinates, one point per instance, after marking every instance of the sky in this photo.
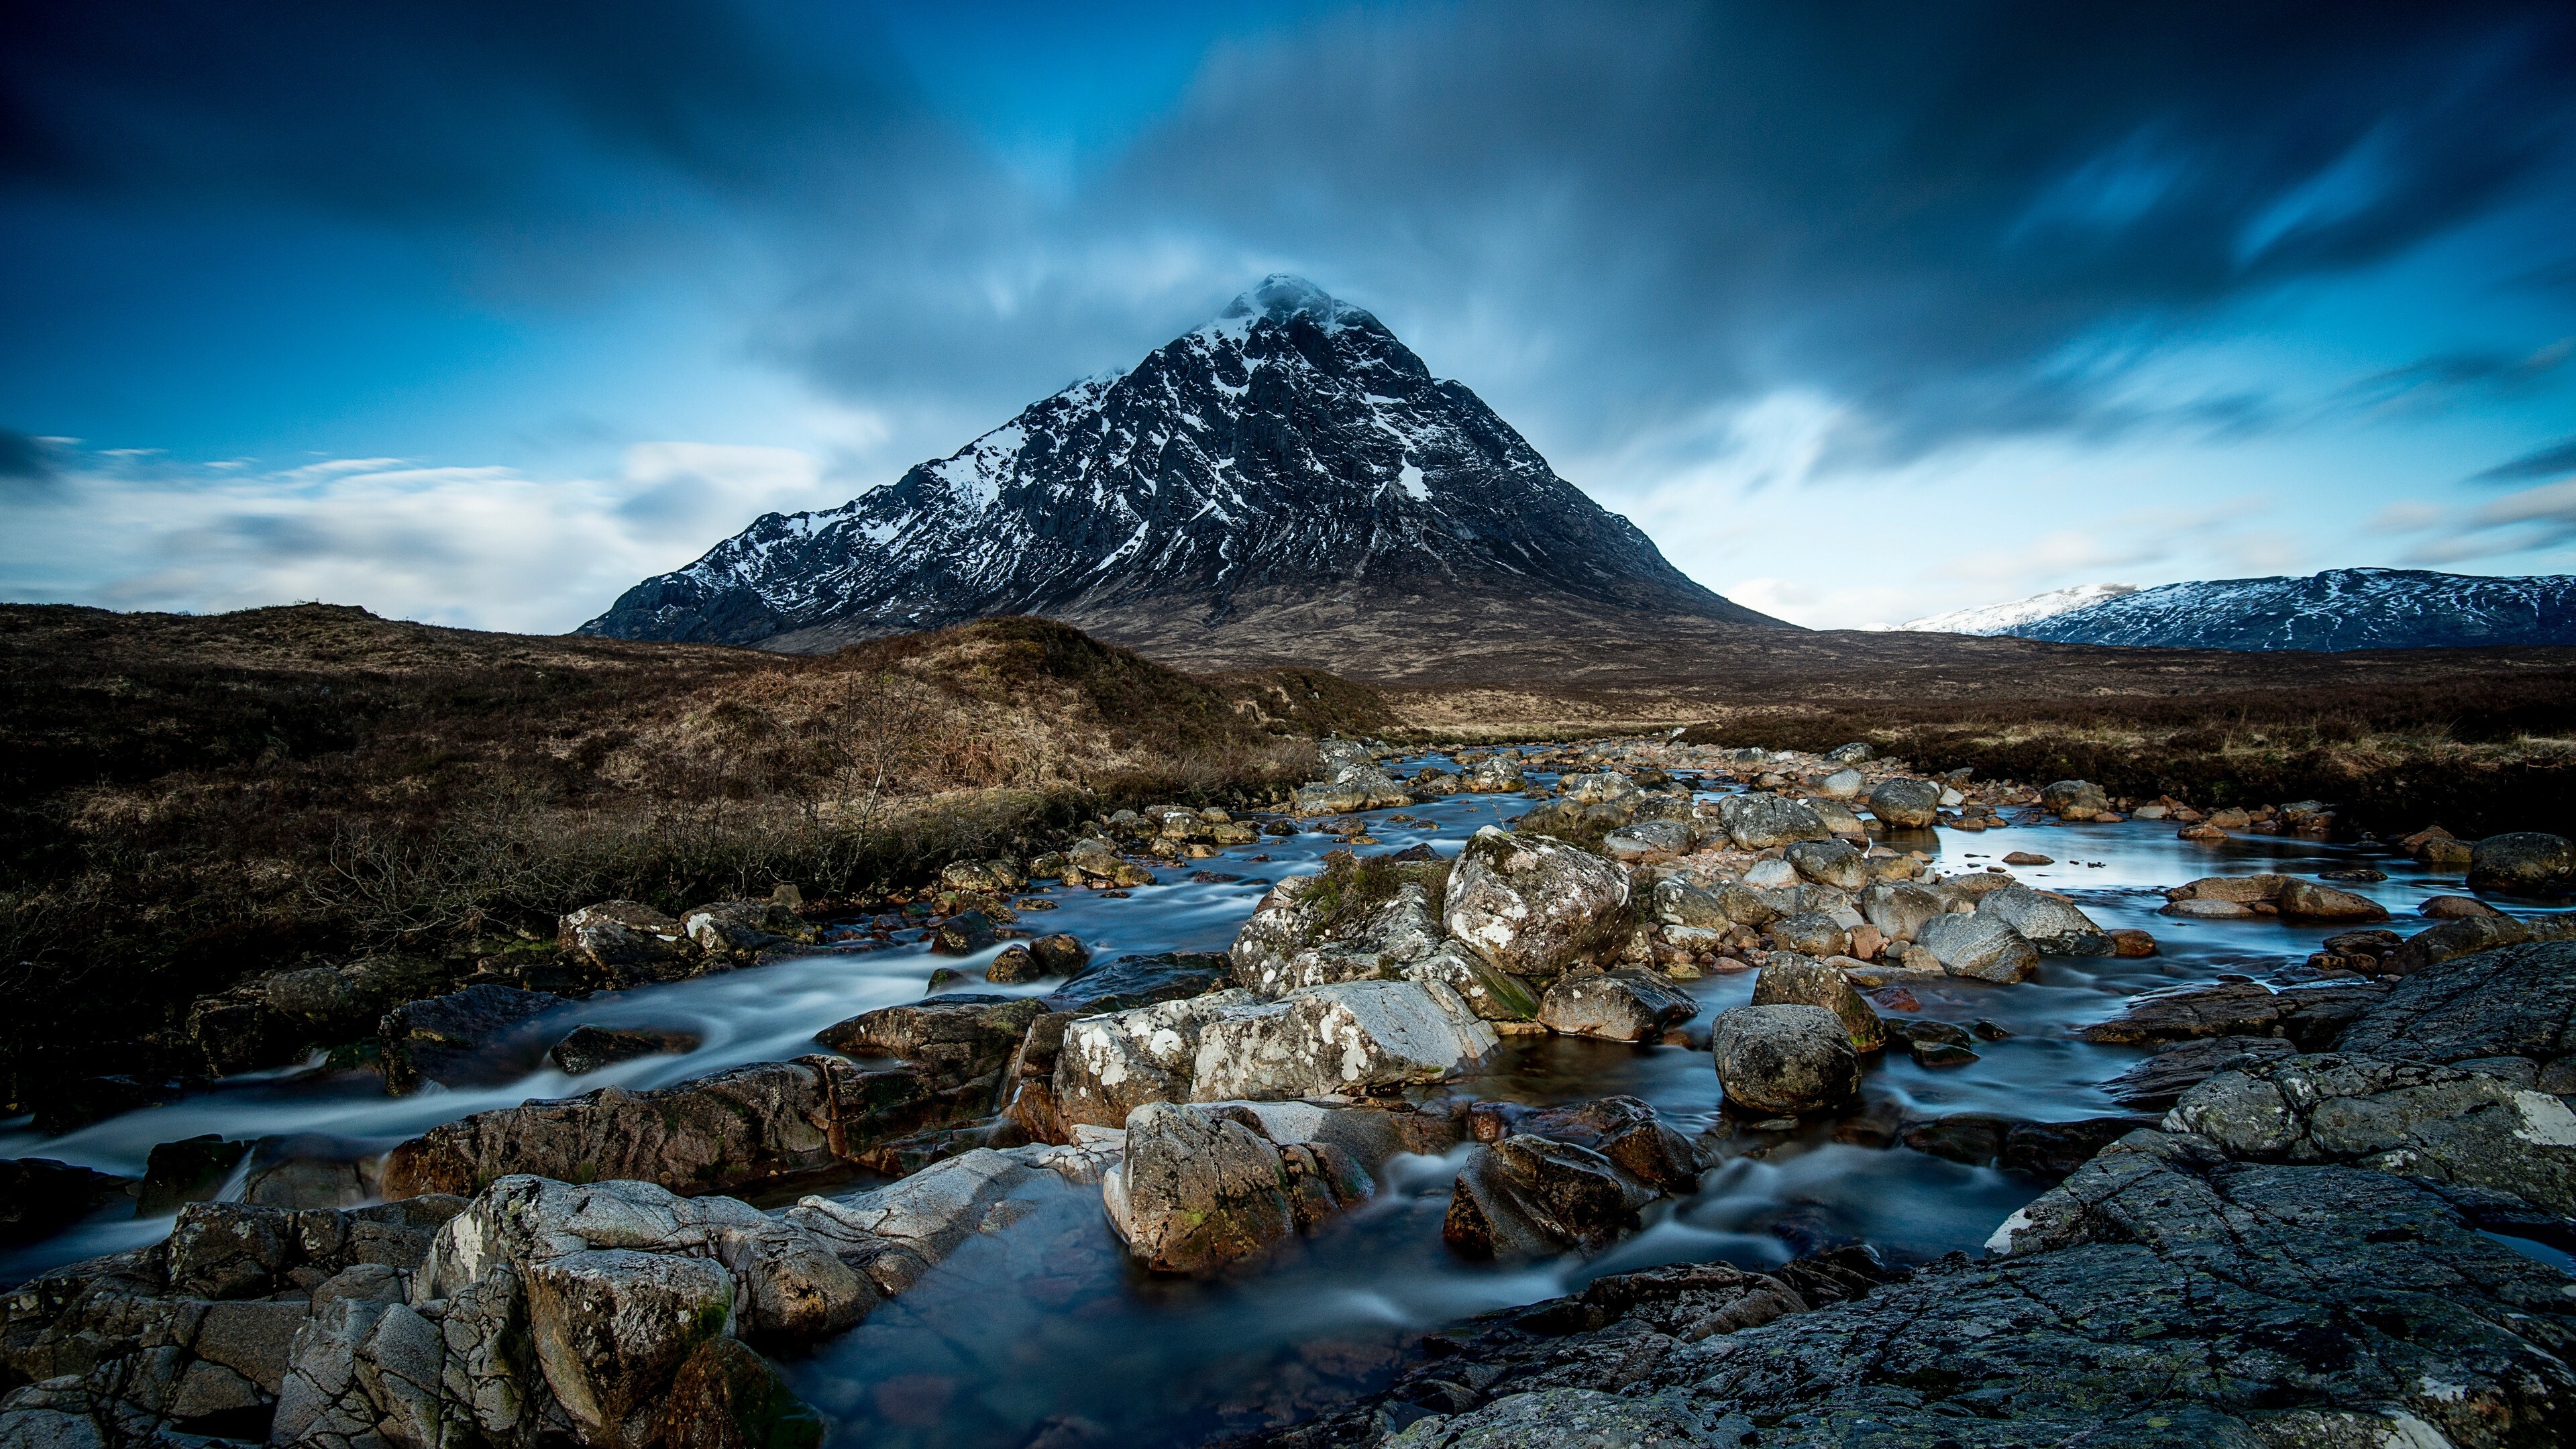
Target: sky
(480, 313)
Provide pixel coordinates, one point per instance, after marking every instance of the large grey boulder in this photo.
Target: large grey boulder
(2403, 1117)
(1899, 911)
(1625, 1005)
(1349, 1039)
(1649, 839)
(957, 1038)
(1529, 1196)
(1597, 789)
(1115, 1062)
(2075, 799)
(1829, 862)
(2516, 1002)
(1201, 1188)
(1494, 774)
(1811, 933)
(1360, 788)
(1760, 822)
(1906, 804)
(2528, 863)
(894, 1234)
(1791, 1059)
(1492, 994)
(1533, 906)
(1789, 979)
(463, 1036)
(1309, 932)
(627, 943)
(1978, 946)
(2053, 925)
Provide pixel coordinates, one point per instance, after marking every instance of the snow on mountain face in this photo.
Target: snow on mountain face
(1292, 441)
(2009, 618)
(2337, 610)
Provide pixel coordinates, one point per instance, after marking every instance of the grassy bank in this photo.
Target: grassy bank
(191, 802)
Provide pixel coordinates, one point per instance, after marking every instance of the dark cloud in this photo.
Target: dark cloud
(2549, 462)
(26, 467)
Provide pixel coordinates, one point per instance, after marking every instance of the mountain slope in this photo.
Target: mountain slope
(1287, 469)
(2340, 609)
(2009, 618)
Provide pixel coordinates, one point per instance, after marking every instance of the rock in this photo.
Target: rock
(2310, 1016)
(39, 1196)
(1677, 902)
(2518, 1001)
(463, 1036)
(191, 1170)
(2049, 1150)
(747, 1125)
(1979, 946)
(2465, 936)
(627, 942)
(1133, 981)
(1829, 862)
(988, 877)
(1810, 933)
(1855, 753)
(1494, 774)
(2053, 925)
(956, 1038)
(1626, 1005)
(727, 1397)
(1841, 784)
(1648, 840)
(2075, 799)
(1784, 1059)
(1201, 1189)
(1528, 1197)
(1905, 804)
(893, 1235)
(1352, 923)
(1359, 789)
(1622, 1129)
(2404, 1117)
(588, 1048)
(1899, 911)
(1595, 789)
(2025, 857)
(2241, 890)
(1059, 955)
(2307, 900)
(2158, 1082)
(1010, 966)
(1351, 1038)
(2131, 942)
(1115, 1062)
(1761, 822)
(307, 1170)
(1792, 980)
(2528, 863)
(744, 927)
(963, 934)
(2456, 908)
(1532, 906)
(1492, 995)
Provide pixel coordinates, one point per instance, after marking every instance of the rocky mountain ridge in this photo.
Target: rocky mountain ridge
(2333, 611)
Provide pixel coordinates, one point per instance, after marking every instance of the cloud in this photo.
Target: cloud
(26, 466)
(481, 547)
(2533, 519)
(2549, 462)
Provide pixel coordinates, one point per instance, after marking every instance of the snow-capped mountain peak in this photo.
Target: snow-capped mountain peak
(2339, 609)
(1291, 445)
(2009, 618)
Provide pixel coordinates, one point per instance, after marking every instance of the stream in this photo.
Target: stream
(1041, 1335)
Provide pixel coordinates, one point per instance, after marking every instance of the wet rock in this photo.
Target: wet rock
(308, 1170)
(1533, 906)
(984, 877)
(894, 1234)
(1784, 1059)
(1625, 1005)
(1494, 774)
(2075, 799)
(2516, 1001)
(748, 1125)
(2404, 1117)
(955, 1039)
(191, 1170)
(1829, 862)
(1059, 955)
(1906, 804)
(2528, 863)
(743, 928)
(1979, 946)
(1355, 1037)
(2158, 1082)
(1649, 840)
(1598, 788)
(2053, 925)
(727, 1397)
(1112, 1063)
(963, 934)
(1359, 789)
(588, 1048)
(2310, 1016)
(1011, 965)
(2307, 900)
(1899, 911)
(462, 1036)
(1199, 1189)
(1761, 822)
(2469, 936)
(1792, 980)
(2132, 943)
(627, 942)
(1319, 930)
(39, 1196)
(1529, 1196)
(1133, 981)
(2050, 1150)
(1811, 933)
(2456, 908)
(1491, 994)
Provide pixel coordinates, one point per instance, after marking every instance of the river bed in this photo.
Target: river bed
(1041, 1335)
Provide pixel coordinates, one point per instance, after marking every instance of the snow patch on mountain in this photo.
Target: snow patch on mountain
(2334, 611)
(2009, 618)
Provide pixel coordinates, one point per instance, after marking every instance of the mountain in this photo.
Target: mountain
(1287, 484)
(2341, 609)
(2009, 618)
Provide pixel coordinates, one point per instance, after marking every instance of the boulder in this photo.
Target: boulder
(2528, 863)
(2053, 925)
(1115, 1062)
(588, 1048)
(2404, 1117)
(193, 1169)
(1905, 804)
(2309, 901)
(2075, 799)
(2158, 1082)
(1784, 1059)
(892, 1235)
(1011, 966)
(983, 877)
(2456, 908)
(2516, 1001)
(744, 927)
(1838, 817)
(1201, 1189)
(955, 1038)
(1492, 994)
(1359, 789)
(1495, 774)
(1811, 933)
(1829, 862)
(1133, 981)
(1352, 1038)
(2311, 1016)
(625, 943)
(1649, 840)
(1348, 924)
(467, 1035)
(1855, 753)
(1899, 911)
(1979, 946)
(963, 934)
(1793, 980)
(1841, 784)
(1532, 906)
(1528, 1197)
(1625, 1005)
(39, 1196)
(1059, 955)
(1761, 822)
(1599, 788)
(727, 1397)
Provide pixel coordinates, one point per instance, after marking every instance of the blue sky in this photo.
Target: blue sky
(479, 315)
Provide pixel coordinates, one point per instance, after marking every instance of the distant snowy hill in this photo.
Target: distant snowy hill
(1287, 468)
(2009, 618)
(2337, 610)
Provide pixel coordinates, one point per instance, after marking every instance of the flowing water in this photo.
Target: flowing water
(1040, 1335)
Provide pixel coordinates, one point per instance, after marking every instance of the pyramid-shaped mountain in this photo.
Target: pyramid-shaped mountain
(1287, 484)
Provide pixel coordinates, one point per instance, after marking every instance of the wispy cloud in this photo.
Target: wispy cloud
(2549, 462)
